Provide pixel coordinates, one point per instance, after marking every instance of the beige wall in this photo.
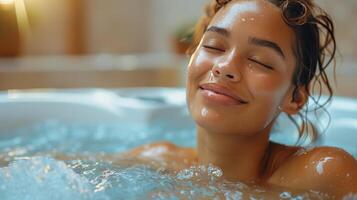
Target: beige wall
(121, 26)
(117, 26)
(344, 14)
(167, 15)
(49, 20)
(111, 26)
(137, 25)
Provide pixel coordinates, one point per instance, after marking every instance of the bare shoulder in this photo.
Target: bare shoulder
(159, 149)
(326, 169)
(165, 151)
(153, 149)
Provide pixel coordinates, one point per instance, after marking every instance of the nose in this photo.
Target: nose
(226, 71)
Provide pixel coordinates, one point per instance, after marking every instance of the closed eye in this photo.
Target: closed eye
(260, 63)
(213, 48)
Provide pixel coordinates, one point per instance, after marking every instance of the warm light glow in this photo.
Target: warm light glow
(22, 18)
(7, 2)
(19, 7)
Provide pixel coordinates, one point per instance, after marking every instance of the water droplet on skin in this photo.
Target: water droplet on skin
(243, 19)
(204, 112)
(252, 19)
(154, 151)
(211, 76)
(304, 150)
(282, 179)
(320, 165)
(250, 68)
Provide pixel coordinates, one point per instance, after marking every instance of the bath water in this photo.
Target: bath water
(57, 161)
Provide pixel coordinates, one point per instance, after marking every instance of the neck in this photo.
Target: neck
(240, 157)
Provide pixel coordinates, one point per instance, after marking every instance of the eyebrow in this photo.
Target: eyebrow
(218, 30)
(267, 43)
(252, 40)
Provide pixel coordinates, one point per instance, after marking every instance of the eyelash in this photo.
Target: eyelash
(250, 59)
(213, 48)
(260, 63)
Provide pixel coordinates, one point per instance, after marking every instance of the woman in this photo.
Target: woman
(252, 60)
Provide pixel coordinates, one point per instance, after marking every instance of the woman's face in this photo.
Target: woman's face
(242, 69)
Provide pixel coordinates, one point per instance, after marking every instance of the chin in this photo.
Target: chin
(213, 124)
(220, 125)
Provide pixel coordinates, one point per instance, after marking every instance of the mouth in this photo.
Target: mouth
(221, 93)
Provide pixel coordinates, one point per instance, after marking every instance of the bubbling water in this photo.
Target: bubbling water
(47, 178)
(56, 161)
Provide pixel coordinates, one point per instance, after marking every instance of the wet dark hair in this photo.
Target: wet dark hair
(314, 49)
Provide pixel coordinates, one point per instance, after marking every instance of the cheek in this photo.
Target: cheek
(268, 93)
(204, 115)
(198, 69)
(267, 86)
(200, 63)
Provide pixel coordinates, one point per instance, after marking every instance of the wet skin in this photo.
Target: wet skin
(238, 77)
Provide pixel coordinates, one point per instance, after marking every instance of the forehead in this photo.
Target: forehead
(255, 18)
(234, 11)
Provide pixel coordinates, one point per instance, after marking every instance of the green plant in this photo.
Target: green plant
(184, 33)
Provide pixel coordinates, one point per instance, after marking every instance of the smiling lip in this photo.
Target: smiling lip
(220, 93)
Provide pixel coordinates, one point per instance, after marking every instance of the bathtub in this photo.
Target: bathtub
(21, 108)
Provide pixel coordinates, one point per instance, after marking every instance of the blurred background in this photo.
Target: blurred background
(117, 43)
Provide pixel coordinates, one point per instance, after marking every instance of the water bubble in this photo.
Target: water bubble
(285, 195)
